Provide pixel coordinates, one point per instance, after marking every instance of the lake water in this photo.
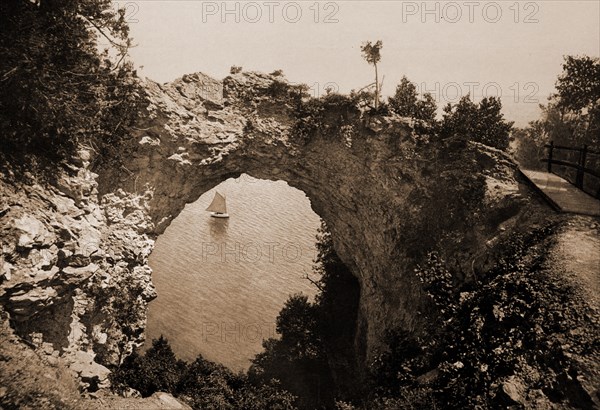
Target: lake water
(222, 282)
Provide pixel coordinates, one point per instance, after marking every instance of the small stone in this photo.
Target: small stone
(513, 388)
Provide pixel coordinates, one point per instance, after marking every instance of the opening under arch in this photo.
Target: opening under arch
(222, 282)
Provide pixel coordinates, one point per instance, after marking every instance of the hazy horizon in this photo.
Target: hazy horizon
(510, 49)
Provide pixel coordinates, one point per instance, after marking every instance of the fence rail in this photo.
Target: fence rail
(580, 166)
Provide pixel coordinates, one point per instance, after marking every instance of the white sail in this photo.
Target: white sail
(218, 204)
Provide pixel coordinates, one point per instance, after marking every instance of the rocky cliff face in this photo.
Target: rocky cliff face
(372, 183)
(75, 278)
(74, 275)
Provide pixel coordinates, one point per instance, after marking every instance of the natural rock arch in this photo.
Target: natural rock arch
(375, 184)
(75, 274)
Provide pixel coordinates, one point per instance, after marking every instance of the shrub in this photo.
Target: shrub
(325, 116)
(202, 384)
(157, 370)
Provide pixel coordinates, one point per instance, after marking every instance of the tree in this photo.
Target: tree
(579, 84)
(157, 370)
(298, 359)
(459, 119)
(406, 102)
(492, 129)
(483, 123)
(578, 98)
(372, 53)
(57, 89)
(427, 108)
(317, 339)
(528, 144)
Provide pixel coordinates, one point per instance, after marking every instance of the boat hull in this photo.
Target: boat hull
(219, 215)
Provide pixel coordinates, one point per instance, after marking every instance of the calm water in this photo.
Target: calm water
(222, 282)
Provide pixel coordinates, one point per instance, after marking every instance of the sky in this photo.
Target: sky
(511, 49)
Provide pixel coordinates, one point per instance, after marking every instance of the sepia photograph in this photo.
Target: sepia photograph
(311, 205)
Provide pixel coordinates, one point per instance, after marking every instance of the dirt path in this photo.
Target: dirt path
(579, 252)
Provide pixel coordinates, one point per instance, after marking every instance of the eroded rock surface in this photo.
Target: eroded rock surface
(74, 273)
(372, 184)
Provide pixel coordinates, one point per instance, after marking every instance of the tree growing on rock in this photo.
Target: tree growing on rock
(407, 103)
(483, 122)
(372, 54)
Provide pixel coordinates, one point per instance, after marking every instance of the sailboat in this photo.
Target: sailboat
(218, 208)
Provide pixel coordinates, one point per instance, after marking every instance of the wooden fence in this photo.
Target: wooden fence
(580, 165)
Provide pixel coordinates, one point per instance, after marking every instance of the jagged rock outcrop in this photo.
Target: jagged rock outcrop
(370, 185)
(74, 264)
(69, 248)
(70, 264)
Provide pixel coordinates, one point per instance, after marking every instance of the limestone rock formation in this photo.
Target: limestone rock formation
(370, 192)
(69, 263)
(73, 272)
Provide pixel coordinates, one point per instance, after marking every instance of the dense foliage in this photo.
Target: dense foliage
(483, 122)
(297, 358)
(202, 384)
(406, 102)
(57, 89)
(570, 118)
(328, 117)
(507, 329)
(312, 334)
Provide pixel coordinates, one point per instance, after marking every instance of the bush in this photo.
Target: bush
(157, 370)
(326, 116)
(511, 323)
(202, 384)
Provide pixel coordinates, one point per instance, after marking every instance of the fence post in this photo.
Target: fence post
(581, 167)
(550, 152)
